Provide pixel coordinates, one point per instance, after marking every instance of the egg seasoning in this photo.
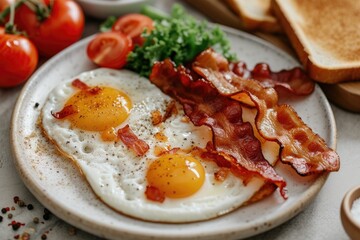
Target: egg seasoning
(100, 112)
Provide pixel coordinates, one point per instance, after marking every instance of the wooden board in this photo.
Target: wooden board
(345, 95)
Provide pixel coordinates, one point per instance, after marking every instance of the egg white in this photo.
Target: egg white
(117, 176)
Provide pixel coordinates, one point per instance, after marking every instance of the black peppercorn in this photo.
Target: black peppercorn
(3, 210)
(36, 220)
(21, 203)
(46, 216)
(1, 218)
(30, 207)
(43, 237)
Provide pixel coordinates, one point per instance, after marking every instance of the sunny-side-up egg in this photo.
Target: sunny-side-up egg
(117, 175)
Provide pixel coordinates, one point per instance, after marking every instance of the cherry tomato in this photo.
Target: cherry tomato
(18, 59)
(4, 4)
(62, 28)
(133, 25)
(110, 49)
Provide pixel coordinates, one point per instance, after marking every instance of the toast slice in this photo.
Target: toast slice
(325, 35)
(255, 15)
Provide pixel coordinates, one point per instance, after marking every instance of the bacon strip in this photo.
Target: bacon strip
(66, 111)
(77, 83)
(154, 194)
(128, 137)
(304, 150)
(294, 80)
(233, 140)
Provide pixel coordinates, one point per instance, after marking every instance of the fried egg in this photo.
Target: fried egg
(116, 174)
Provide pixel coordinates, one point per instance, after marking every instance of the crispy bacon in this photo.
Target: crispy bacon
(128, 137)
(294, 80)
(304, 150)
(234, 144)
(170, 109)
(77, 83)
(156, 117)
(221, 174)
(66, 111)
(154, 194)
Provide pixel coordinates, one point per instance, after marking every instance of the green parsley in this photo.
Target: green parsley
(179, 37)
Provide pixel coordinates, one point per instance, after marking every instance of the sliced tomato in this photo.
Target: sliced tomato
(133, 25)
(110, 49)
(18, 59)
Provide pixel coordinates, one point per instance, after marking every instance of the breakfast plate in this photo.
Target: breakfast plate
(57, 184)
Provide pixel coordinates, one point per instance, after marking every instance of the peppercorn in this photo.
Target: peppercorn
(21, 203)
(16, 199)
(46, 216)
(3, 210)
(30, 207)
(46, 211)
(1, 218)
(36, 220)
(72, 231)
(43, 237)
(10, 216)
(16, 226)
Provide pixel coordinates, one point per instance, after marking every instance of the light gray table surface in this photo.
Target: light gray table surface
(320, 220)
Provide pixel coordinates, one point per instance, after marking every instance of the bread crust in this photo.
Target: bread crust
(261, 20)
(303, 40)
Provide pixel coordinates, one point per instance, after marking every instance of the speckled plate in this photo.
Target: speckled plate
(57, 184)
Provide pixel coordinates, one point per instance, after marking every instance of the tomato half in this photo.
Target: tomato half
(110, 49)
(62, 28)
(133, 25)
(18, 59)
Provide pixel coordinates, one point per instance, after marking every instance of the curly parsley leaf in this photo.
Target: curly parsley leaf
(179, 37)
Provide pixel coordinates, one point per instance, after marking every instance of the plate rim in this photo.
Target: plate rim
(87, 224)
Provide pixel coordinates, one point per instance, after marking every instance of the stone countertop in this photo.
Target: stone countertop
(320, 220)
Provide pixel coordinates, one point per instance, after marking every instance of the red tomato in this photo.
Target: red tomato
(18, 59)
(4, 4)
(133, 25)
(110, 49)
(62, 28)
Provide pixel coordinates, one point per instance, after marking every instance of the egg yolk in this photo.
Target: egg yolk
(175, 175)
(102, 111)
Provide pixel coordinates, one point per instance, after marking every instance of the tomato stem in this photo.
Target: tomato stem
(9, 26)
(42, 11)
(6, 11)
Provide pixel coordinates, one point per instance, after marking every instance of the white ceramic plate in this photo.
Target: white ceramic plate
(56, 183)
(103, 8)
